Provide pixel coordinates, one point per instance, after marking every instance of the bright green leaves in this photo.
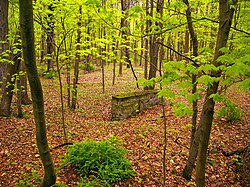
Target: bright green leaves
(104, 161)
(216, 97)
(207, 80)
(181, 109)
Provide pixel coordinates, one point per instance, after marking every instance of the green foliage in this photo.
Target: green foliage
(87, 67)
(100, 163)
(238, 160)
(230, 111)
(49, 75)
(26, 181)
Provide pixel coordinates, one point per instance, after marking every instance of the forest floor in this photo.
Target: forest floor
(142, 135)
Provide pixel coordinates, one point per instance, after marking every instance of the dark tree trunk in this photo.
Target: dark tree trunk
(27, 31)
(146, 53)
(12, 70)
(154, 46)
(194, 142)
(4, 6)
(226, 12)
(125, 30)
(8, 89)
(77, 61)
(42, 53)
(25, 100)
(50, 39)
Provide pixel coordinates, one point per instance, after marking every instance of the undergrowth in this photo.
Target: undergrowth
(100, 163)
(229, 111)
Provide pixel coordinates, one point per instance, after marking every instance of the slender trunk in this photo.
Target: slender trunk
(42, 48)
(19, 101)
(24, 88)
(226, 12)
(8, 89)
(27, 30)
(154, 46)
(146, 42)
(50, 39)
(77, 61)
(194, 141)
(4, 7)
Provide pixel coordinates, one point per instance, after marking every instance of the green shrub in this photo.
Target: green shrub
(230, 111)
(87, 67)
(49, 75)
(100, 163)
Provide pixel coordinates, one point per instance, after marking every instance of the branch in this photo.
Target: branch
(237, 152)
(214, 21)
(190, 59)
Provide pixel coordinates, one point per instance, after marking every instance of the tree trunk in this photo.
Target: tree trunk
(77, 61)
(4, 6)
(226, 12)
(6, 99)
(195, 134)
(25, 100)
(146, 42)
(42, 53)
(27, 30)
(154, 46)
(50, 39)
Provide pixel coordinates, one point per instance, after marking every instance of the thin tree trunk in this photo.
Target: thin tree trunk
(19, 101)
(77, 61)
(154, 46)
(4, 7)
(226, 12)
(25, 100)
(8, 90)
(146, 42)
(27, 30)
(42, 53)
(187, 172)
(50, 39)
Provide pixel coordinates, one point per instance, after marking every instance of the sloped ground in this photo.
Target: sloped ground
(142, 136)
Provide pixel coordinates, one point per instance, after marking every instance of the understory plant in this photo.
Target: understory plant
(229, 111)
(100, 163)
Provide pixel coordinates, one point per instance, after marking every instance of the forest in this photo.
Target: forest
(128, 93)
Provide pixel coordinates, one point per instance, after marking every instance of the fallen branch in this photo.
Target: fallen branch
(61, 145)
(237, 152)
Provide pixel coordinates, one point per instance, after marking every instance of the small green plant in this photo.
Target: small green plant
(238, 160)
(230, 111)
(100, 163)
(49, 75)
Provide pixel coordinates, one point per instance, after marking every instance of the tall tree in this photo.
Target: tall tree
(4, 6)
(154, 46)
(27, 35)
(226, 11)
(77, 60)
(12, 69)
(187, 172)
(50, 37)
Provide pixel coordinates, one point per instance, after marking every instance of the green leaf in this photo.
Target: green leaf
(216, 97)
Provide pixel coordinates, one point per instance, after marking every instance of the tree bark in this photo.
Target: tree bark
(195, 134)
(154, 46)
(77, 61)
(4, 6)
(226, 12)
(25, 100)
(27, 35)
(8, 89)
(50, 39)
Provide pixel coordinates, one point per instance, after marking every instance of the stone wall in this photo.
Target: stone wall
(127, 105)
